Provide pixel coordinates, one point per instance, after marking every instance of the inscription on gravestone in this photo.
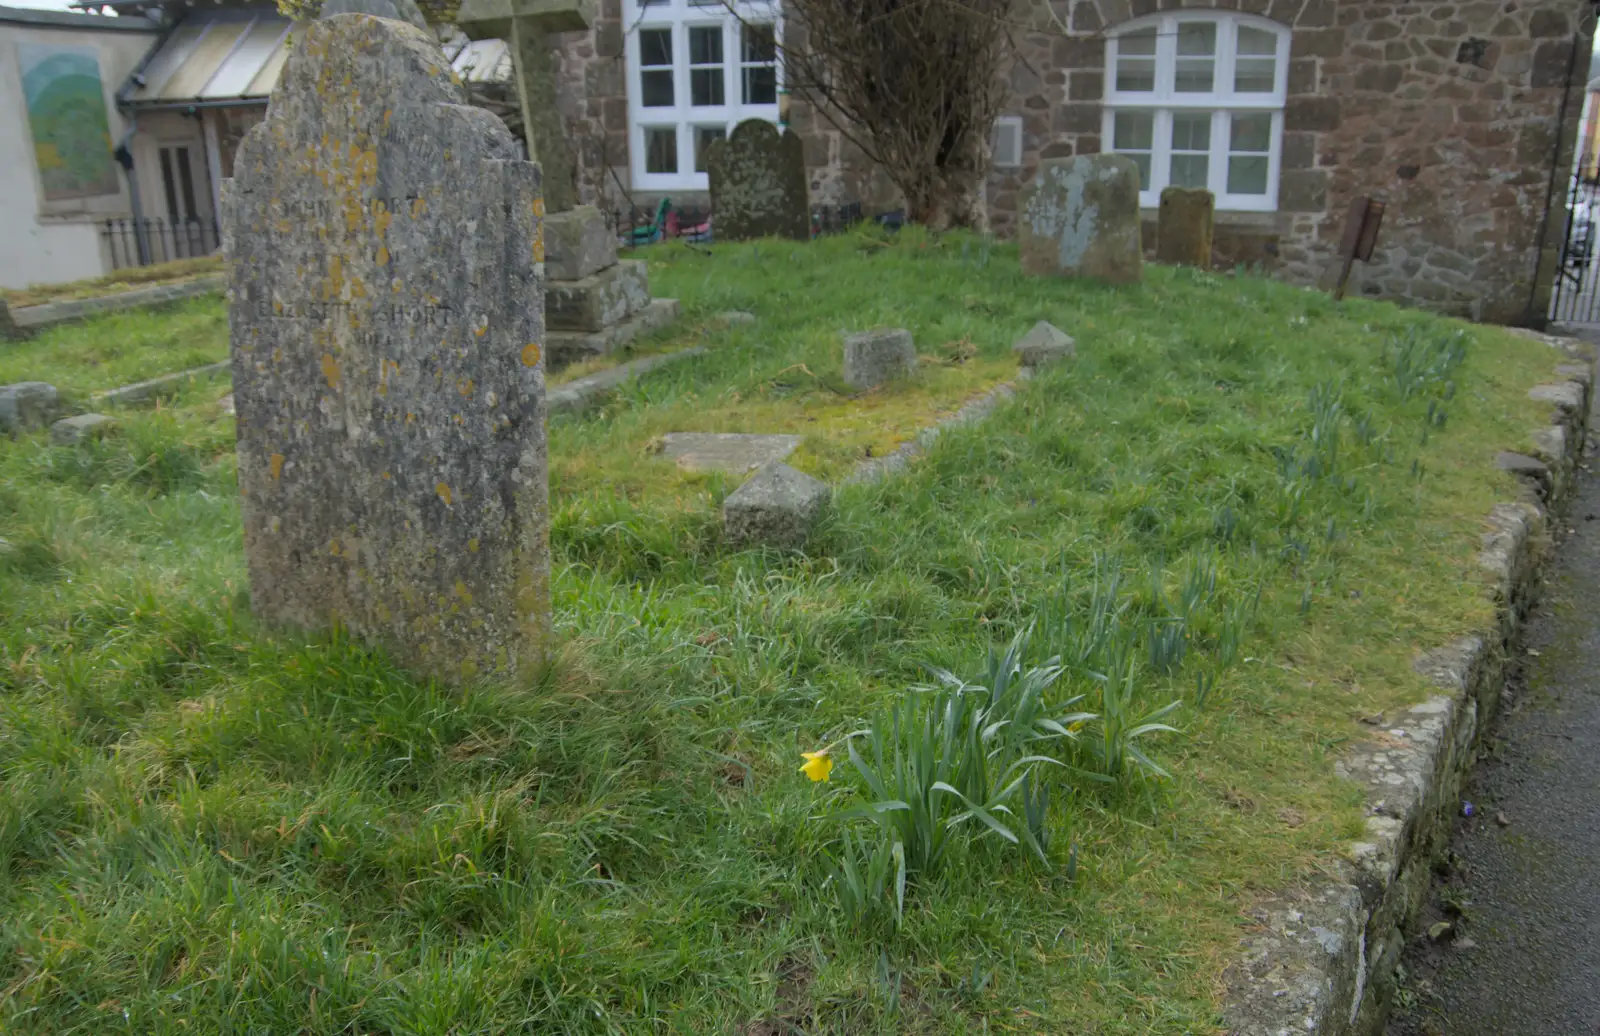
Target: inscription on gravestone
(384, 307)
(758, 184)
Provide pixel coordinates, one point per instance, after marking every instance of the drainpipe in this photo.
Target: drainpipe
(1530, 318)
(124, 156)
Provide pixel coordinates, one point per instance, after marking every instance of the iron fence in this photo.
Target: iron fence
(695, 224)
(145, 242)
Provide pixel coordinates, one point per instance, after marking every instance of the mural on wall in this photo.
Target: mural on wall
(67, 114)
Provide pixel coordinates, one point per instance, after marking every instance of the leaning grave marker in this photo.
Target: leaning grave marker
(386, 320)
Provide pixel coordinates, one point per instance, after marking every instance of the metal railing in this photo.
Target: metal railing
(146, 242)
(695, 223)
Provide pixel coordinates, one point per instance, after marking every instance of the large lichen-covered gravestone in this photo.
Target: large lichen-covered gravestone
(1185, 226)
(383, 240)
(758, 184)
(1080, 218)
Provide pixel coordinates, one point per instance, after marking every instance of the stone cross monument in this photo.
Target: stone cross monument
(526, 26)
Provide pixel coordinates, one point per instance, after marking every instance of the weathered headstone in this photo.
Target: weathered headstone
(383, 240)
(402, 10)
(27, 405)
(1185, 226)
(1080, 218)
(758, 184)
(874, 357)
(577, 244)
(1043, 345)
(777, 507)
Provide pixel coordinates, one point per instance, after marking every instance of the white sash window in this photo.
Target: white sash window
(695, 71)
(1196, 99)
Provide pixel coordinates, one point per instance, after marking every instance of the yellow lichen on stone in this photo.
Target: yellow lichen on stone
(330, 370)
(472, 545)
(444, 492)
(531, 354)
(275, 466)
(464, 386)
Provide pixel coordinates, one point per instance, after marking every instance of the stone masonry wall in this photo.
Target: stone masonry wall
(1448, 109)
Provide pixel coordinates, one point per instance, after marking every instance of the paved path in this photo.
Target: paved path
(1528, 863)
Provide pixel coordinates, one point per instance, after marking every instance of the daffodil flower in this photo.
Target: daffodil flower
(818, 766)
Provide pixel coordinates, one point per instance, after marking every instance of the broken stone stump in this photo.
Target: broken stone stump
(388, 368)
(1043, 345)
(27, 405)
(1080, 218)
(577, 244)
(759, 186)
(777, 507)
(874, 357)
(1185, 225)
(726, 451)
(736, 318)
(73, 430)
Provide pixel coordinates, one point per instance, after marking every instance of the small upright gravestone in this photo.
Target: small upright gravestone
(776, 508)
(383, 240)
(874, 357)
(1080, 218)
(1185, 225)
(1043, 345)
(758, 184)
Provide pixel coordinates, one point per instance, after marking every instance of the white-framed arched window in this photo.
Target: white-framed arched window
(1196, 99)
(696, 69)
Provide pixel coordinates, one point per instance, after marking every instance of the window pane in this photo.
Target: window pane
(1247, 174)
(1133, 131)
(1191, 131)
(1136, 61)
(761, 85)
(704, 136)
(705, 45)
(1190, 170)
(661, 150)
(1143, 162)
(1197, 39)
(705, 87)
(1251, 133)
(1255, 75)
(1197, 43)
(760, 44)
(1257, 42)
(655, 89)
(655, 46)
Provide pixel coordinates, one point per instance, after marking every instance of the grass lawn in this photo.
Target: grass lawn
(210, 827)
(112, 283)
(103, 352)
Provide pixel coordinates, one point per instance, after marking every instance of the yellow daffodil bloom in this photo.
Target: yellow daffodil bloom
(818, 766)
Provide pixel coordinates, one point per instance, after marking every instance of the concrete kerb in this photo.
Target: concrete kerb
(31, 318)
(144, 391)
(581, 393)
(1322, 958)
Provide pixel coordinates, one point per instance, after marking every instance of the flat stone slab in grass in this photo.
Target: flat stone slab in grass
(577, 244)
(386, 312)
(874, 357)
(726, 451)
(28, 318)
(736, 318)
(1044, 344)
(1080, 218)
(27, 405)
(777, 507)
(73, 430)
(578, 394)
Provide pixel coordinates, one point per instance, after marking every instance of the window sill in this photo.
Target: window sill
(1243, 219)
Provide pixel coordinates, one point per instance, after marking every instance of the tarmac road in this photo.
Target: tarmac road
(1525, 960)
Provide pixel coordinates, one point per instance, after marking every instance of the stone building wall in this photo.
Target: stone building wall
(1448, 109)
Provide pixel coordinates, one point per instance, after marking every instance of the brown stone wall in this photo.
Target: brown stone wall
(1446, 108)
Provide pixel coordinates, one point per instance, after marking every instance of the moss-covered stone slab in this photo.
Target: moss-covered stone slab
(387, 329)
(1185, 226)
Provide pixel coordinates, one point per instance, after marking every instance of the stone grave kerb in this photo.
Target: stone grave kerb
(384, 247)
(527, 26)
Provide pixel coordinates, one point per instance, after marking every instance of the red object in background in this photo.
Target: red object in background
(672, 223)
